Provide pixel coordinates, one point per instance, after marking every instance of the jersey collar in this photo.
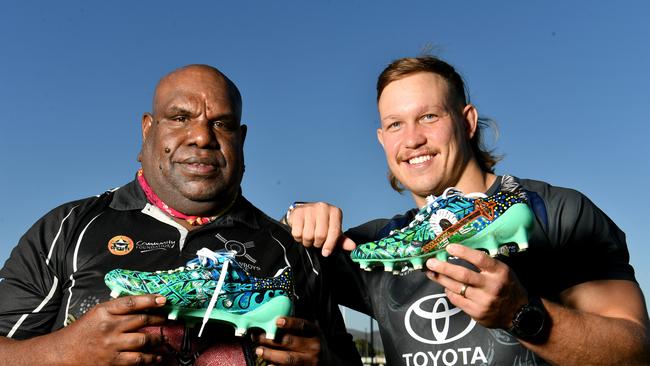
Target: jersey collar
(132, 197)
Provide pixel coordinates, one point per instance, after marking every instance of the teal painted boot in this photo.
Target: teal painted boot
(498, 224)
(213, 286)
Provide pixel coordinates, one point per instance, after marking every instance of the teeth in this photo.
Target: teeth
(420, 159)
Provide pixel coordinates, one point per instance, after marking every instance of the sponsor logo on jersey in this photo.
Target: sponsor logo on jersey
(447, 357)
(120, 245)
(240, 251)
(436, 311)
(150, 246)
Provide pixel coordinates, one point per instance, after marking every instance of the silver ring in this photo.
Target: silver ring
(462, 290)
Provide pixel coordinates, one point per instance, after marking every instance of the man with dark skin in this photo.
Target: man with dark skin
(192, 158)
(191, 103)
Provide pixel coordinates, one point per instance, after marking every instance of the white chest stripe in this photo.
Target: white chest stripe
(287, 260)
(74, 268)
(38, 309)
(311, 261)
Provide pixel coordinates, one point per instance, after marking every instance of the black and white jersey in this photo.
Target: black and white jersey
(573, 242)
(56, 272)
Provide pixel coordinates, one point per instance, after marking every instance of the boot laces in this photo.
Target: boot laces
(205, 255)
(433, 202)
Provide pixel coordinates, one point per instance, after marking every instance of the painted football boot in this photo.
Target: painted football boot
(213, 286)
(497, 224)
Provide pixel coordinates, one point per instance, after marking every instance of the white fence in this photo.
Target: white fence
(374, 361)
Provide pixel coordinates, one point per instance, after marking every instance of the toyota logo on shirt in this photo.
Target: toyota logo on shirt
(437, 312)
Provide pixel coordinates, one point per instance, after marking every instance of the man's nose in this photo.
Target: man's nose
(201, 134)
(414, 136)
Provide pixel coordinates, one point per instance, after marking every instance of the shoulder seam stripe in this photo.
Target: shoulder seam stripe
(56, 237)
(38, 308)
(76, 249)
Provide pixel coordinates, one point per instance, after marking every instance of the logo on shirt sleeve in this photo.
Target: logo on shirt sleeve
(120, 245)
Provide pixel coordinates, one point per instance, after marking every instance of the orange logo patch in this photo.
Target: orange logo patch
(120, 245)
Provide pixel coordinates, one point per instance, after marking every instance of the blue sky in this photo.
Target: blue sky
(566, 81)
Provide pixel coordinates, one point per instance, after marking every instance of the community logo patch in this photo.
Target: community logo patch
(120, 245)
(150, 246)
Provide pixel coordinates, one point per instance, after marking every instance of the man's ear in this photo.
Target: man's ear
(470, 119)
(243, 129)
(380, 136)
(147, 122)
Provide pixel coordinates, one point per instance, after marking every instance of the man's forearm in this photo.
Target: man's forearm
(580, 338)
(35, 351)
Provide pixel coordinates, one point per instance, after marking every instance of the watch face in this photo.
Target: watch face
(530, 321)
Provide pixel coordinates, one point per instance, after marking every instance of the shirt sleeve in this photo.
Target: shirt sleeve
(315, 302)
(594, 247)
(30, 288)
(337, 345)
(578, 242)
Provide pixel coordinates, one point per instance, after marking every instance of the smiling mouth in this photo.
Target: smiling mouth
(196, 168)
(199, 165)
(420, 159)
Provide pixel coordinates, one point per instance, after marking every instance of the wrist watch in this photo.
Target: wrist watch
(285, 218)
(531, 322)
